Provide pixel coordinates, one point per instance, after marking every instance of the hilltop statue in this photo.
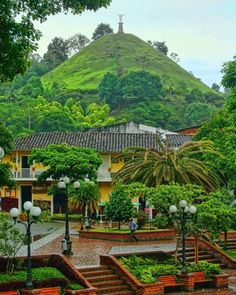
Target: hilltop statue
(121, 29)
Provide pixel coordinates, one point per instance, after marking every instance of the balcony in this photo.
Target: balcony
(26, 174)
(104, 175)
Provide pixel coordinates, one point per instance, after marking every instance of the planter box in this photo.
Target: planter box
(91, 291)
(149, 235)
(221, 280)
(43, 291)
(9, 293)
(168, 280)
(199, 277)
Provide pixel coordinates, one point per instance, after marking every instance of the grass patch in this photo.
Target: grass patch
(38, 274)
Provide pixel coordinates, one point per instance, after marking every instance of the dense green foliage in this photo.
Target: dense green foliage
(169, 165)
(102, 30)
(120, 206)
(11, 239)
(62, 160)
(138, 83)
(221, 128)
(5, 168)
(147, 270)
(38, 274)
(19, 37)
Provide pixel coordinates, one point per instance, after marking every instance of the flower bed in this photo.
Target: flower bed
(67, 277)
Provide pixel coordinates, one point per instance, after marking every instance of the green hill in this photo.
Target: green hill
(118, 53)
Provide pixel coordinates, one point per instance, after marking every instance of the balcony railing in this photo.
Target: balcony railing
(28, 173)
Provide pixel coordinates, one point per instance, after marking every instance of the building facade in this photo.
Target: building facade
(107, 144)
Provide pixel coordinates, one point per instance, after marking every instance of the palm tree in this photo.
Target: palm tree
(168, 165)
(87, 197)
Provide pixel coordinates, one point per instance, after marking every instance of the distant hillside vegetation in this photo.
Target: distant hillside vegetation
(118, 54)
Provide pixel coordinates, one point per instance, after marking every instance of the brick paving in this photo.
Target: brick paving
(87, 251)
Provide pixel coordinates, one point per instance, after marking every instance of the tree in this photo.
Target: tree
(214, 216)
(56, 54)
(76, 43)
(160, 46)
(215, 87)
(63, 160)
(5, 168)
(221, 128)
(85, 198)
(174, 56)
(19, 36)
(109, 90)
(197, 112)
(11, 240)
(120, 206)
(168, 165)
(102, 30)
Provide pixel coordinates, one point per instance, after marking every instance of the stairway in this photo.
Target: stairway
(231, 244)
(106, 280)
(203, 255)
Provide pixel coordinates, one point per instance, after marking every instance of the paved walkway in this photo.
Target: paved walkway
(87, 251)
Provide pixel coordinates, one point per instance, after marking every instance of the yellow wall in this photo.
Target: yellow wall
(105, 189)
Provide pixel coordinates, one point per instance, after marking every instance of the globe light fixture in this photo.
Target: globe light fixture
(33, 212)
(185, 213)
(66, 243)
(27, 206)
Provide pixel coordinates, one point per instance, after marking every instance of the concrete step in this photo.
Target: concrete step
(97, 272)
(93, 268)
(108, 283)
(102, 278)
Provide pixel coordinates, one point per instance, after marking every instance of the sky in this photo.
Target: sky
(201, 32)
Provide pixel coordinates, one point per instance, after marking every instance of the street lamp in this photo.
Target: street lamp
(1, 152)
(186, 213)
(32, 216)
(63, 185)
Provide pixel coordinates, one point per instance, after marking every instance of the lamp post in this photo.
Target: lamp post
(32, 216)
(186, 213)
(2, 153)
(63, 185)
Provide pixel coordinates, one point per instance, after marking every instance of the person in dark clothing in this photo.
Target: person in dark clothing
(132, 227)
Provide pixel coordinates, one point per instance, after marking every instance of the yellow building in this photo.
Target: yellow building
(108, 144)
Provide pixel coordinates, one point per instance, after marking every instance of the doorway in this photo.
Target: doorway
(26, 194)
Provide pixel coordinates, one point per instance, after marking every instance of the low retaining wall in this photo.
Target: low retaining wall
(152, 235)
(58, 261)
(188, 281)
(203, 244)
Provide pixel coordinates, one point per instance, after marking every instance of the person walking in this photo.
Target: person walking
(133, 227)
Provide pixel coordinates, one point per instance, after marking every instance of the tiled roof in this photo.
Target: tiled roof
(102, 142)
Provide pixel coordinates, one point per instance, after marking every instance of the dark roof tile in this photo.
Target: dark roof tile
(102, 142)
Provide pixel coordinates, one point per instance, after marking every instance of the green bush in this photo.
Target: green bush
(72, 217)
(74, 286)
(161, 221)
(142, 218)
(147, 270)
(206, 267)
(45, 216)
(38, 274)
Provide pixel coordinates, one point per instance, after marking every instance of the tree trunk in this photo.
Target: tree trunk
(119, 224)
